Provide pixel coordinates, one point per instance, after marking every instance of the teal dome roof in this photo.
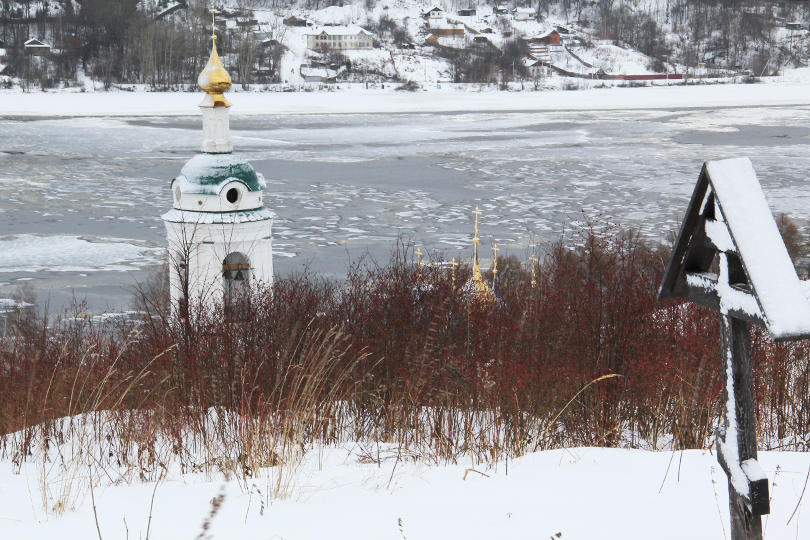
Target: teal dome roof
(206, 174)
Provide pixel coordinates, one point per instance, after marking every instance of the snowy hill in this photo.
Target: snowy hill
(372, 491)
(264, 43)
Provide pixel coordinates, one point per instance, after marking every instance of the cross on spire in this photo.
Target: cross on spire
(214, 11)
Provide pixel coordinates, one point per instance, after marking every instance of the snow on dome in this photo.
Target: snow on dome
(205, 174)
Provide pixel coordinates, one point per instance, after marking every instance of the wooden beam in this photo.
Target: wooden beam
(679, 250)
(707, 295)
(739, 425)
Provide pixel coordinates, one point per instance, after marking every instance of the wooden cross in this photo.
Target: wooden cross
(729, 227)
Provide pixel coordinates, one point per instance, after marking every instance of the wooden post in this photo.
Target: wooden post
(737, 454)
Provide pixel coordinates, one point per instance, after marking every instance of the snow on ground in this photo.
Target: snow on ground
(344, 493)
(356, 99)
(61, 253)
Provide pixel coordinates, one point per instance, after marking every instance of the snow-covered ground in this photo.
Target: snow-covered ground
(789, 90)
(345, 493)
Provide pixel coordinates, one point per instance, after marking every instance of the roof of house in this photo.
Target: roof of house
(35, 43)
(351, 30)
(527, 11)
(317, 71)
(545, 34)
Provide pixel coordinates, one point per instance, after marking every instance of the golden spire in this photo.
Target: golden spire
(418, 264)
(213, 79)
(454, 264)
(476, 269)
(477, 279)
(495, 262)
(533, 262)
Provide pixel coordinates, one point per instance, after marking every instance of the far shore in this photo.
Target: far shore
(448, 99)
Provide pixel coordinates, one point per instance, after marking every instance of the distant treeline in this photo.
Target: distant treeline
(116, 41)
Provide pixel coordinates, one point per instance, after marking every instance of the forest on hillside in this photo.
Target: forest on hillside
(140, 42)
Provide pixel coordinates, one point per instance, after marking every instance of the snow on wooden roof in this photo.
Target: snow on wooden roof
(728, 214)
(35, 43)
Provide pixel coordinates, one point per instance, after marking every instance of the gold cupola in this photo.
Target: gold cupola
(213, 79)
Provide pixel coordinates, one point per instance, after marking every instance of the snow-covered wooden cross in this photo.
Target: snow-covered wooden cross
(730, 257)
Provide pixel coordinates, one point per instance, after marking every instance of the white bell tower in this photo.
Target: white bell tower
(219, 233)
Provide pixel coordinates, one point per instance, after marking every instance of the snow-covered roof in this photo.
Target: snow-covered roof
(351, 30)
(728, 209)
(545, 34)
(527, 11)
(313, 71)
(36, 43)
(760, 246)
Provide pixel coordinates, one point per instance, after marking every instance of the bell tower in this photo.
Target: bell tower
(219, 232)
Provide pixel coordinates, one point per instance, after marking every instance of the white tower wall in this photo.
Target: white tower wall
(206, 246)
(217, 129)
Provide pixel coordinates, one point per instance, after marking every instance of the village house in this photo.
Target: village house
(447, 30)
(173, 8)
(552, 38)
(524, 14)
(37, 48)
(340, 38)
(435, 13)
(537, 68)
(317, 74)
(292, 20)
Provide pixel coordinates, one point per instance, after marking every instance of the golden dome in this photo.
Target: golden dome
(213, 79)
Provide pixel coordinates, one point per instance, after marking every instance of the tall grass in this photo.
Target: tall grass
(587, 356)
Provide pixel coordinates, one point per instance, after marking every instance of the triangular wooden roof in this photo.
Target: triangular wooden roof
(728, 215)
(35, 43)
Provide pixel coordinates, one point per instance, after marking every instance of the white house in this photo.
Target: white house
(524, 14)
(340, 38)
(434, 13)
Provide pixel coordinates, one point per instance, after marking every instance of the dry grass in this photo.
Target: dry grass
(587, 357)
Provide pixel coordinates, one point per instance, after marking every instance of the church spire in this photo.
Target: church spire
(215, 81)
(479, 285)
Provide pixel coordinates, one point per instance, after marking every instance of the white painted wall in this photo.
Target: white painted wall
(217, 129)
(208, 245)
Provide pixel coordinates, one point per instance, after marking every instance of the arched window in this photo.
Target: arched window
(236, 277)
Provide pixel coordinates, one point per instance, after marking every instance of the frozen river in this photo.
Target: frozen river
(81, 198)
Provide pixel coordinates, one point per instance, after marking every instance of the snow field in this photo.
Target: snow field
(345, 493)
